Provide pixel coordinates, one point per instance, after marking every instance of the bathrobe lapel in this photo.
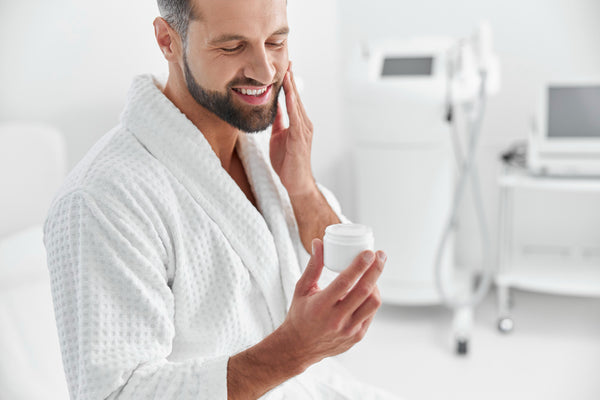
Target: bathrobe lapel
(275, 207)
(181, 147)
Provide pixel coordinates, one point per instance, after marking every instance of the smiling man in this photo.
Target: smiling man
(174, 246)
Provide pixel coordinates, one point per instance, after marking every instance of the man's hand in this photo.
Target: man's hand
(290, 147)
(290, 150)
(328, 322)
(320, 323)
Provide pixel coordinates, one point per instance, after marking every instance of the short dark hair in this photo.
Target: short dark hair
(178, 14)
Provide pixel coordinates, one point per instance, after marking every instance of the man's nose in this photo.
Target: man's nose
(260, 66)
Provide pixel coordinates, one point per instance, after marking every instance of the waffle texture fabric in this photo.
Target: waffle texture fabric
(161, 269)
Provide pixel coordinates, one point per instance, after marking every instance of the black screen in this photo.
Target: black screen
(574, 112)
(407, 66)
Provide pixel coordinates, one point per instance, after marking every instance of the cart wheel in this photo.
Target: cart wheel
(505, 324)
(462, 346)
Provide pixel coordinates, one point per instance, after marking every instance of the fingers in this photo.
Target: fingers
(365, 286)
(312, 273)
(367, 309)
(299, 103)
(296, 110)
(346, 279)
(291, 100)
(278, 125)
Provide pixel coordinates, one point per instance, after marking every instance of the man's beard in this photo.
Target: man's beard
(256, 119)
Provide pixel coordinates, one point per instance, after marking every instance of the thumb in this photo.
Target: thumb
(313, 270)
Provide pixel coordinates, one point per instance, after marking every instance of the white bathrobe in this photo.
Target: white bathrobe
(162, 269)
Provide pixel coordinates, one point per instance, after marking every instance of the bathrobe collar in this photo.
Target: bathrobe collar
(261, 240)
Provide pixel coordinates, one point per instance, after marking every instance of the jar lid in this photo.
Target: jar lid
(349, 233)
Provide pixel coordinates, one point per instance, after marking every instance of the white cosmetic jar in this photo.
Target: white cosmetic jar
(343, 242)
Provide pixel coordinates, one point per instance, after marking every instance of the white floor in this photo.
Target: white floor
(553, 352)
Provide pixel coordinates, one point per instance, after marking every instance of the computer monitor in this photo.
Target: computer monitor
(565, 139)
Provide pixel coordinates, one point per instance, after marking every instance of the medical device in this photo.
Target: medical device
(565, 136)
(402, 98)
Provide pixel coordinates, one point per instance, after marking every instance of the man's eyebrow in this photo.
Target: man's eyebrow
(281, 31)
(228, 37)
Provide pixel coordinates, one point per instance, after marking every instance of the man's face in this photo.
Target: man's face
(236, 58)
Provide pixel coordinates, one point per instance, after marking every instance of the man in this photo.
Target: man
(173, 246)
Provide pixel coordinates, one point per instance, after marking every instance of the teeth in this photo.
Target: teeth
(252, 92)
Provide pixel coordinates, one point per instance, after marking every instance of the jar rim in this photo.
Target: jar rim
(351, 232)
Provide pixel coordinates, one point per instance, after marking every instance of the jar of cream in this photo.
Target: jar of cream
(343, 242)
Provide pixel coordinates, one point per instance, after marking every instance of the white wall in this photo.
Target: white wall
(69, 63)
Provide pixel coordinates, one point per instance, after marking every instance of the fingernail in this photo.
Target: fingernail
(368, 257)
(382, 256)
(313, 247)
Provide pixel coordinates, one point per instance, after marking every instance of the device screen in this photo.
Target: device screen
(573, 111)
(407, 66)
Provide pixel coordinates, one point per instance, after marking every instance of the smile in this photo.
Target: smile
(251, 92)
(254, 96)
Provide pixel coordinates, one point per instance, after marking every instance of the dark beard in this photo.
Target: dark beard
(257, 119)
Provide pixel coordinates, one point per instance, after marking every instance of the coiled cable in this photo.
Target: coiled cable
(467, 171)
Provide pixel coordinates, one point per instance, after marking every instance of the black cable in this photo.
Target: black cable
(516, 155)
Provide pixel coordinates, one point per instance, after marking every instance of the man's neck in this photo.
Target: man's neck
(221, 136)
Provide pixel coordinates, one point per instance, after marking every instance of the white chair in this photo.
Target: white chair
(32, 166)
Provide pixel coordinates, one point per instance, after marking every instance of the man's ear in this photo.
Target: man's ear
(168, 40)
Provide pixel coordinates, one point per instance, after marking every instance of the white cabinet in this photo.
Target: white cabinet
(549, 238)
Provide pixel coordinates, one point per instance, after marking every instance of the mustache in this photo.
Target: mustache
(252, 82)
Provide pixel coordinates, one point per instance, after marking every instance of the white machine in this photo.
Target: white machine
(565, 137)
(401, 96)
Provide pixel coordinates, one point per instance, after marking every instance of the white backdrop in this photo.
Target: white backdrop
(69, 63)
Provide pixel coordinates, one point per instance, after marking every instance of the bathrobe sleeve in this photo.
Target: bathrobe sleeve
(114, 308)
